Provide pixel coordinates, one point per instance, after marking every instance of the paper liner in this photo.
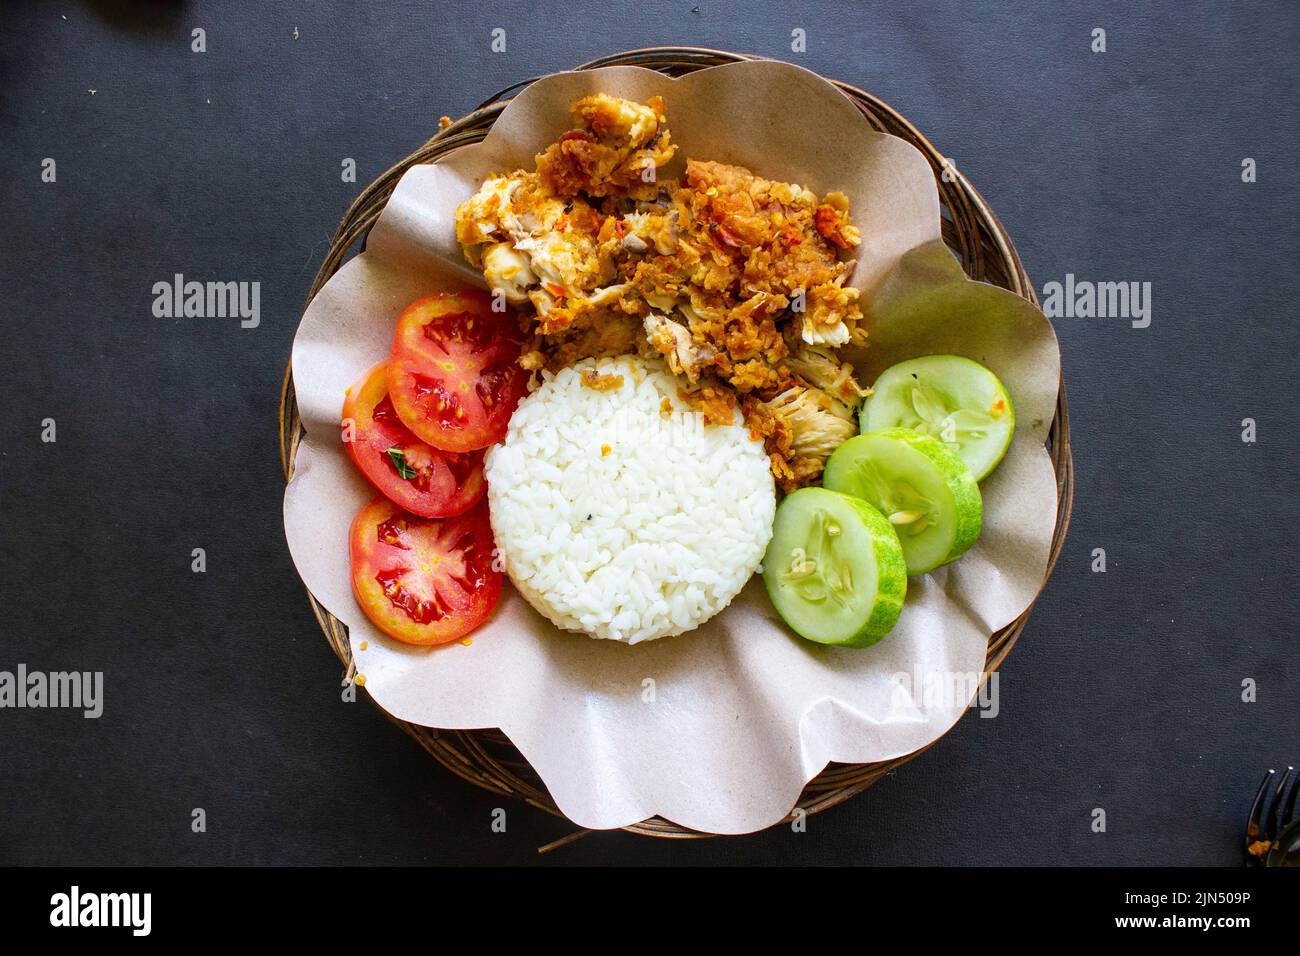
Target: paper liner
(718, 729)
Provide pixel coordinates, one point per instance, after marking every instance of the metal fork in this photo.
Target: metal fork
(1273, 829)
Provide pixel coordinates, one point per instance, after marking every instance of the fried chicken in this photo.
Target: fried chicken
(736, 282)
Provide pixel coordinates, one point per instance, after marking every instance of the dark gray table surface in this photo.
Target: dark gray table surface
(1125, 692)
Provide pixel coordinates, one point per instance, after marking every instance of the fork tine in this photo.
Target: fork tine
(1273, 823)
(1286, 852)
(1254, 825)
(1286, 797)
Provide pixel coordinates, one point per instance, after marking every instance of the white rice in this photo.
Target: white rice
(650, 539)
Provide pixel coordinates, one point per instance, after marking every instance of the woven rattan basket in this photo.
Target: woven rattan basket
(485, 757)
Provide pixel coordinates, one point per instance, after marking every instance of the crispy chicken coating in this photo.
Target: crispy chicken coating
(616, 148)
(736, 282)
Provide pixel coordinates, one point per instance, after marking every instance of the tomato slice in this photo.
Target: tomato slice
(422, 479)
(454, 374)
(423, 580)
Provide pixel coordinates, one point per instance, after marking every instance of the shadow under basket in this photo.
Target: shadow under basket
(486, 758)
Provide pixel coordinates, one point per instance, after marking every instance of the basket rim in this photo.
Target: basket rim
(483, 757)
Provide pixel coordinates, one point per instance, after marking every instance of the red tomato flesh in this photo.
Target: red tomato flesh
(420, 478)
(423, 580)
(454, 373)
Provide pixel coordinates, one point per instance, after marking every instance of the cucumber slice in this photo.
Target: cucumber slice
(925, 491)
(834, 568)
(958, 401)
